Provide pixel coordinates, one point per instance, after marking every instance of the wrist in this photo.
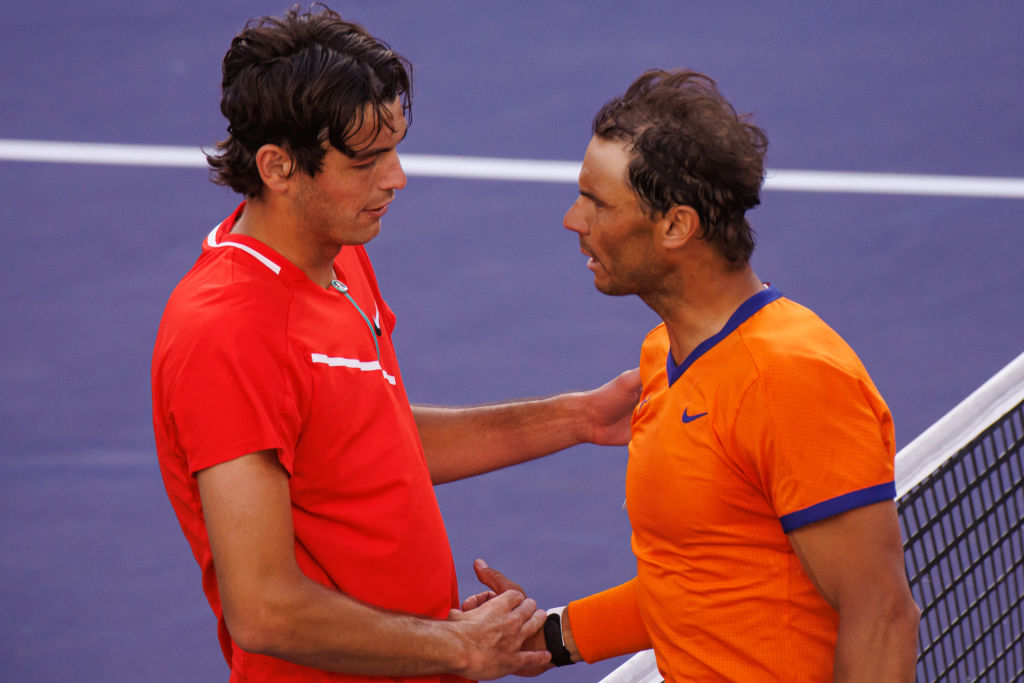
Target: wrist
(456, 647)
(570, 642)
(558, 638)
(577, 410)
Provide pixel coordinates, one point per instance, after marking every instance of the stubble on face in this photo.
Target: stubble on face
(614, 229)
(631, 266)
(343, 203)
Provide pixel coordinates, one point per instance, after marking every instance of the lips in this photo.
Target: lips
(378, 211)
(592, 260)
(381, 208)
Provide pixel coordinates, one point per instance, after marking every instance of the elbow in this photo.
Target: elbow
(902, 617)
(905, 621)
(250, 631)
(910, 616)
(902, 610)
(257, 626)
(889, 611)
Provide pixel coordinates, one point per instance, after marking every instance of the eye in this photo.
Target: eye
(594, 201)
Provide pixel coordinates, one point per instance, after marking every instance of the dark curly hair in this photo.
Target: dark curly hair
(690, 148)
(298, 82)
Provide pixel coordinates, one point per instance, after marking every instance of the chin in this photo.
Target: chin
(364, 235)
(612, 289)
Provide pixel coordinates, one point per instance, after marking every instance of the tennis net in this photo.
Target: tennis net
(960, 488)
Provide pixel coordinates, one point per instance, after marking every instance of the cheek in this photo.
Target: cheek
(607, 236)
(345, 197)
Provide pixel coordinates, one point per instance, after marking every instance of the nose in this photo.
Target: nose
(574, 220)
(394, 177)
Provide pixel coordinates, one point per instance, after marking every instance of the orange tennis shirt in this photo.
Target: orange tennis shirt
(770, 425)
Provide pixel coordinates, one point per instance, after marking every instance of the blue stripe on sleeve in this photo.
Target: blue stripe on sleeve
(840, 504)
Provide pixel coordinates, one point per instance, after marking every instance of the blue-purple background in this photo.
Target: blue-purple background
(494, 300)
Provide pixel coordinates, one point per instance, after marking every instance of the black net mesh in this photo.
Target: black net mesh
(964, 552)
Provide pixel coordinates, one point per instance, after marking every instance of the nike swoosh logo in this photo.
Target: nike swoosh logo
(687, 419)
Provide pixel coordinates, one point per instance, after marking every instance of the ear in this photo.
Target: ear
(275, 165)
(679, 225)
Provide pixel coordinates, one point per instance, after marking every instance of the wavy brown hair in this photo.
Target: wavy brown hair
(300, 81)
(690, 148)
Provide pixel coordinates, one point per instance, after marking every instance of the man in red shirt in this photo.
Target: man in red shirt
(300, 474)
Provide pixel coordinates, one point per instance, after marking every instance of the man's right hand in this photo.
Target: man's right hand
(494, 633)
(500, 584)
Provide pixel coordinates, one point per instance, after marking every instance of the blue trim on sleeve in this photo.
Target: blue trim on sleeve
(840, 504)
(746, 309)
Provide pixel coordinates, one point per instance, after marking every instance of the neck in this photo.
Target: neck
(698, 306)
(282, 233)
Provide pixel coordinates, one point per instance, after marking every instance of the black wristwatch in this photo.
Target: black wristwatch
(553, 640)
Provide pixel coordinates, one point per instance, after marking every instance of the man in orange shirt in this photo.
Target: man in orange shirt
(760, 480)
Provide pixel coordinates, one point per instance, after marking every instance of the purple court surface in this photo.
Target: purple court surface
(493, 297)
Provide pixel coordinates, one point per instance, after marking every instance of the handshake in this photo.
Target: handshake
(504, 632)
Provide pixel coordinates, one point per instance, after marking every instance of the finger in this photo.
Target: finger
(474, 601)
(527, 619)
(494, 579)
(533, 624)
(532, 659)
(506, 602)
(526, 610)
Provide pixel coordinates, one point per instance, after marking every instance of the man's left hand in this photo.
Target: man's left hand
(609, 409)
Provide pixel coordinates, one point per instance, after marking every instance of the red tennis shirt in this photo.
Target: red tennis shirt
(252, 355)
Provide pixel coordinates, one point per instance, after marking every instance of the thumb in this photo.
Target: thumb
(494, 579)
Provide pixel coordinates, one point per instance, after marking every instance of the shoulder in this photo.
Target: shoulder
(788, 339)
(656, 341)
(654, 351)
(792, 359)
(224, 302)
(227, 284)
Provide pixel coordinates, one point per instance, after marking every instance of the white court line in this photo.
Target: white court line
(482, 168)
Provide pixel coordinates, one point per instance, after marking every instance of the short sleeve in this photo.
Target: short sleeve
(233, 387)
(819, 438)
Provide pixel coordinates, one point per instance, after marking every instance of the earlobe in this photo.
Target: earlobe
(681, 224)
(275, 166)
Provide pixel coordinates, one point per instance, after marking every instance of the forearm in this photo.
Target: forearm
(303, 622)
(606, 624)
(463, 442)
(270, 607)
(877, 644)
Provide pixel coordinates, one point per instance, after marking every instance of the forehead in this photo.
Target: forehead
(605, 167)
(377, 133)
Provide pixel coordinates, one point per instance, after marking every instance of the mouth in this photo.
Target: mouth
(592, 261)
(377, 211)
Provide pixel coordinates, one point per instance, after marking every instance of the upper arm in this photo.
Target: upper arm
(854, 558)
(247, 509)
